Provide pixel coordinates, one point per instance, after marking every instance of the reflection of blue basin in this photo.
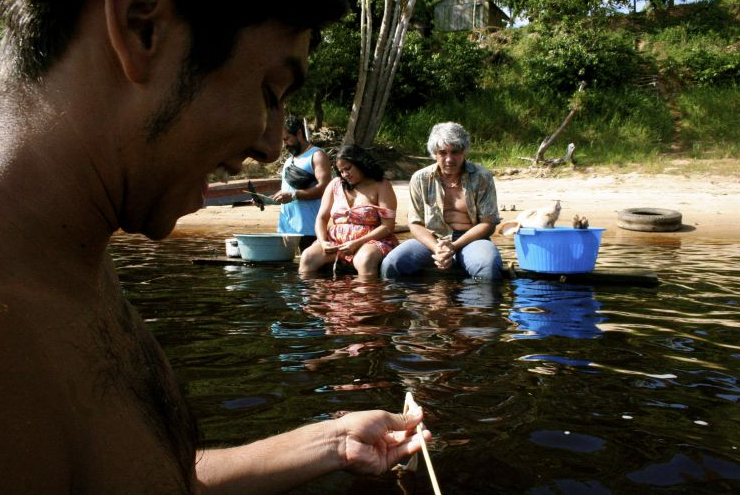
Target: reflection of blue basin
(546, 308)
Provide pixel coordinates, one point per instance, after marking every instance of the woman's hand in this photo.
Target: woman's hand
(350, 247)
(329, 247)
(372, 442)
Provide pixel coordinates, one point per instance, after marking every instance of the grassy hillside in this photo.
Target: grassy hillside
(672, 92)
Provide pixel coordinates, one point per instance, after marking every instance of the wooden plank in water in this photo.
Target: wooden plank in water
(600, 276)
(225, 261)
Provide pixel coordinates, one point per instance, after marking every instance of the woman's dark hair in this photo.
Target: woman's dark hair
(360, 158)
(36, 33)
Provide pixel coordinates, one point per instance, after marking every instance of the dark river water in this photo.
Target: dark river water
(528, 386)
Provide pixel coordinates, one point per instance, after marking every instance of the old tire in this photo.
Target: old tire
(649, 219)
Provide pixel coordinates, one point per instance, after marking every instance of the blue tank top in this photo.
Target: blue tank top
(299, 217)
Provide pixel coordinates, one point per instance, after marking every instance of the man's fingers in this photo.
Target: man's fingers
(407, 447)
(400, 423)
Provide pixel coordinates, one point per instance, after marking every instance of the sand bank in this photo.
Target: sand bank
(710, 205)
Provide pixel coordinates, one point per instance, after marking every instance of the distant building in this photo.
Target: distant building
(467, 15)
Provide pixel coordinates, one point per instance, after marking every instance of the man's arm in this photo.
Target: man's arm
(483, 230)
(416, 214)
(367, 442)
(322, 171)
(423, 235)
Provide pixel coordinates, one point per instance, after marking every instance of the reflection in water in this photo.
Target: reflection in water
(529, 387)
(544, 309)
(348, 304)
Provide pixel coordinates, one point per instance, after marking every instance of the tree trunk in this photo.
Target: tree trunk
(540, 156)
(366, 30)
(376, 79)
(318, 111)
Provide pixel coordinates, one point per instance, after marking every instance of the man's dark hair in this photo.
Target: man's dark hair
(293, 124)
(360, 158)
(36, 33)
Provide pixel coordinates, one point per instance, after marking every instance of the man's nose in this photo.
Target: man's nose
(267, 147)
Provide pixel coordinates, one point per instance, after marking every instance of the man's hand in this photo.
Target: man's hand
(443, 254)
(374, 441)
(283, 196)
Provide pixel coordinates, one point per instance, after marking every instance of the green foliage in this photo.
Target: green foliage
(336, 116)
(439, 66)
(711, 120)
(334, 66)
(559, 59)
(697, 18)
(707, 58)
(550, 12)
(517, 89)
(616, 125)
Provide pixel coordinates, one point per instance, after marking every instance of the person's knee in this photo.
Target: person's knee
(408, 258)
(389, 266)
(394, 264)
(483, 261)
(311, 259)
(367, 259)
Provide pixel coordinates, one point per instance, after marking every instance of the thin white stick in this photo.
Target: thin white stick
(435, 486)
(334, 268)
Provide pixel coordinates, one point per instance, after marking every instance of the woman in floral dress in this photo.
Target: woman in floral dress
(361, 205)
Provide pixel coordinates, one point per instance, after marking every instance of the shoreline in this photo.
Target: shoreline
(710, 205)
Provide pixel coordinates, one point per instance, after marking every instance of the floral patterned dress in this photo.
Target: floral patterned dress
(350, 223)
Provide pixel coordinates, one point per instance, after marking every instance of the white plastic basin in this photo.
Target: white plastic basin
(267, 247)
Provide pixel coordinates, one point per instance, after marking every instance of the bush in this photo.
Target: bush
(559, 59)
(711, 117)
(698, 58)
(438, 67)
(334, 66)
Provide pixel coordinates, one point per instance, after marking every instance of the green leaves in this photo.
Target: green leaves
(444, 65)
(559, 59)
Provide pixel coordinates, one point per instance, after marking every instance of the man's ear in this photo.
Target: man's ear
(134, 29)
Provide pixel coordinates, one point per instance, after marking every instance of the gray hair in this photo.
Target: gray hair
(448, 134)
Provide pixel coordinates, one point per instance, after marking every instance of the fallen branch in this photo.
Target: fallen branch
(540, 156)
(567, 158)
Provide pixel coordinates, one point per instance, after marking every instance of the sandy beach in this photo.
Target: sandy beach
(710, 205)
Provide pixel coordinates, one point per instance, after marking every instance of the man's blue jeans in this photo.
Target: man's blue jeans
(480, 259)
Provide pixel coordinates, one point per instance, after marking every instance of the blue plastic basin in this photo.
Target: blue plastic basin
(558, 250)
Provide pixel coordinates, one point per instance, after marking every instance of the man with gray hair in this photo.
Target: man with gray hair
(452, 213)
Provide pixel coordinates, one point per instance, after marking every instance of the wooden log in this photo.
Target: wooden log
(226, 261)
(600, 276)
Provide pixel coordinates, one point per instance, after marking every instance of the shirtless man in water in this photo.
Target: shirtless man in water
(112, 114)
(452, 213)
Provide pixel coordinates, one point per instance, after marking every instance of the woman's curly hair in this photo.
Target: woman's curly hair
(360, 158)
